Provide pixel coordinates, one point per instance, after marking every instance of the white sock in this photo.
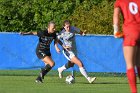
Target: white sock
(63, 68)
(83, 72)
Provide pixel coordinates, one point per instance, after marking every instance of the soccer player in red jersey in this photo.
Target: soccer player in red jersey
(130, 9)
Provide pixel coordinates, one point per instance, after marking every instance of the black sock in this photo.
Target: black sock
(69, 64)
(45, 70)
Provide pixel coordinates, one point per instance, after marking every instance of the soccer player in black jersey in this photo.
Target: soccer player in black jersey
(43, 48)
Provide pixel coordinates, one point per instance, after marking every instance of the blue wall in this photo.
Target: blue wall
(98, 53)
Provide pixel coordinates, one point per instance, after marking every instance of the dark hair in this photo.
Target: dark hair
(66, 22)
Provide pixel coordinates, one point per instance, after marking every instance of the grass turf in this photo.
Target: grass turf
(52, 84)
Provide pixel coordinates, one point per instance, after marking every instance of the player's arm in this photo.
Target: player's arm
(79, 31)
(57, 49)
(56, 45)
(28, 33)
(116, 22)
(56, 41)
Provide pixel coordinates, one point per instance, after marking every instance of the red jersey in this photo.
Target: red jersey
(130, 10)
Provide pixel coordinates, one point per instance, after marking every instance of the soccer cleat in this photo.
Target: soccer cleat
(39, 80)
(60, 72)
(91, 79)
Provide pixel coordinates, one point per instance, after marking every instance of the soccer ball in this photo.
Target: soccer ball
(70, 79)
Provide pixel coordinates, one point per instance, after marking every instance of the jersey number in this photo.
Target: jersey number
(133, 7)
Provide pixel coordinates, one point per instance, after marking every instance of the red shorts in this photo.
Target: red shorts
(131, 36)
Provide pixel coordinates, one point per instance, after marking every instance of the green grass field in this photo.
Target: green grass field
(22, 82)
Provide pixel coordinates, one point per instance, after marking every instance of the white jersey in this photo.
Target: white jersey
(69, 37)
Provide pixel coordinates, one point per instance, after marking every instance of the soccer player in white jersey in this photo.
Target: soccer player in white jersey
(67, 35)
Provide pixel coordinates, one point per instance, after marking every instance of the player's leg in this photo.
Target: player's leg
(68, 55)
(45, 56)
(138, 61)
(49, 63)
(75, 60)
(64, 67)
(130, 55)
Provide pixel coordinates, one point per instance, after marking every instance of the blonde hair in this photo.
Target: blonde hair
(51, 22)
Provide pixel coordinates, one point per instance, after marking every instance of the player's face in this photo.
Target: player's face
(51, 28)
(67, 27)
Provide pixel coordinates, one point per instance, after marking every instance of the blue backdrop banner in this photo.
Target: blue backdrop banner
(98, 53)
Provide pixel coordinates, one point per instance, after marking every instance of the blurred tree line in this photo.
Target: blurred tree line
(95, 16)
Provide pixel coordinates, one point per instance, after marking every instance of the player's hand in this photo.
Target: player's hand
(57, 50)
(21, 33)
(84, 32)
(118, 34)
(66, 47)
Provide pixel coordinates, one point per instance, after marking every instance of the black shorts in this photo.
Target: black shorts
(42, 53)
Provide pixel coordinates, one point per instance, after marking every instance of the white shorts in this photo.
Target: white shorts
(68, 54)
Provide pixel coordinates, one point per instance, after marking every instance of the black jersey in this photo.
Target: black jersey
(45, 39)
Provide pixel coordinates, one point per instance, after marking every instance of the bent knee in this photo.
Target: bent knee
(52, 64)
(80, 64)
(71, 64)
